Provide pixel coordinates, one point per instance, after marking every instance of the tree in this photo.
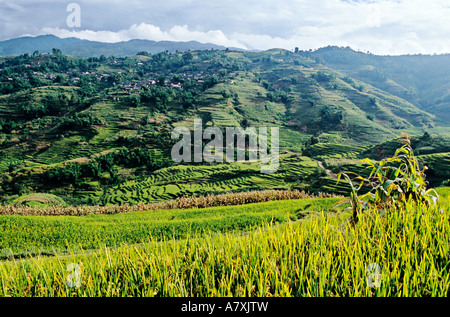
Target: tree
(210, 82)
(135, 101)
(56, 52)
(426, 137)
(161, 81)
(322, 76)
(187, 57)
(33, 110)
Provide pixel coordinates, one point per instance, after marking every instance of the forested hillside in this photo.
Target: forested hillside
(97, 130)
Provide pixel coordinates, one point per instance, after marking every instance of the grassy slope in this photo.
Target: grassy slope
(420, 79)
(49, 234)
(315, 257)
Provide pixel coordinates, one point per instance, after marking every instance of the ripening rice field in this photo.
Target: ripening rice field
(33, 235)
(290, 248)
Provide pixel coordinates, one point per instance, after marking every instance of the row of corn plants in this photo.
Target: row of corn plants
(228, 199)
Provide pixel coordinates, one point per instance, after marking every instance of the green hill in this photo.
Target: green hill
(86, 128)
(84, 48)
(423, 80)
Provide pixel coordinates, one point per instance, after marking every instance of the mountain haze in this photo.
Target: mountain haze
(423, 80)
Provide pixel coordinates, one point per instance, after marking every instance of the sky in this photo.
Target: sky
(385, 27)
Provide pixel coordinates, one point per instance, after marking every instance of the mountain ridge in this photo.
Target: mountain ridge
(423, 80)
(85, 48)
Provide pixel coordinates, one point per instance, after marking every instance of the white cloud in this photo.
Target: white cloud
(98, 36)
(148, 32)
(382, 27)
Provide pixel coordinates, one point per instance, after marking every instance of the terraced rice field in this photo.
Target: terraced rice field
(322, 151)
(6, 162)
(173, 182)
(257, 250)
(438, 164)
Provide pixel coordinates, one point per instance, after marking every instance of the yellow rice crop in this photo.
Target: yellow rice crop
(179, 203)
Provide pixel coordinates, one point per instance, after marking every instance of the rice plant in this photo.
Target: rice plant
(400, 254)
(399, 245)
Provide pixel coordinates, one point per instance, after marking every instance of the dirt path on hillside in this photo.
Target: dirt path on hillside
(329, 172)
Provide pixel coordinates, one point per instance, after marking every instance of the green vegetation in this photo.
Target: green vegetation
(39, 200)
(169, 183)
(398, 247)
(50, 234)
(87, 179)
(400, 254)
(394, 181)
(97, 130)
(420, 79)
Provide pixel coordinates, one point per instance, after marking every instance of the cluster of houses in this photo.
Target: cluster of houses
(171, 80)
(76, 79)
(136, 85)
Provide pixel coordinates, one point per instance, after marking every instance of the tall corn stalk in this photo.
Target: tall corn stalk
(393, 181)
